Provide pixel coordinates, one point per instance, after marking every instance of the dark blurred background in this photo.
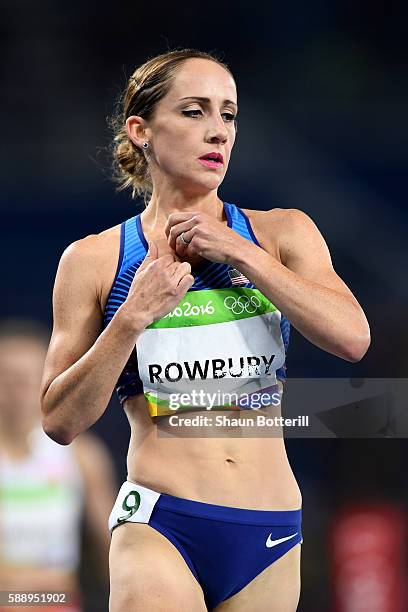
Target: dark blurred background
(322, 91)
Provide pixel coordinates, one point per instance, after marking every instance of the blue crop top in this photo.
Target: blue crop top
(230, 292)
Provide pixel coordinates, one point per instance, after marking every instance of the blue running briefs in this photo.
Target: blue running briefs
(224, 547)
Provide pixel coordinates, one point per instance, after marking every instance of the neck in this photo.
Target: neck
(161, 205)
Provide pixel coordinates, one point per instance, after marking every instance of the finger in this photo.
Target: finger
(178, 229)
(173, 267)
(175, 218)
(185, 283)
(166, 260)
(153, 251)
(150, 256)
(182, 270)
(181, 247)
(162, 262)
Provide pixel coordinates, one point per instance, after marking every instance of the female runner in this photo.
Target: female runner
(193, 291)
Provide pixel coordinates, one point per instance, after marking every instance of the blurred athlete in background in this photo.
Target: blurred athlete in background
(45, 489)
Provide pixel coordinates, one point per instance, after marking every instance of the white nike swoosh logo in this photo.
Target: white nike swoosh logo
(269, 543)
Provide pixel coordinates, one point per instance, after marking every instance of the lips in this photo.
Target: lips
(213, 156)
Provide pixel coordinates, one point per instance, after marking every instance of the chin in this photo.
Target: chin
(203, 186)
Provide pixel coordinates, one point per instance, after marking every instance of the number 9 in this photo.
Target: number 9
(130, 508)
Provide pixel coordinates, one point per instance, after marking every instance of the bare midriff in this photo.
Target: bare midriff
(225, 465)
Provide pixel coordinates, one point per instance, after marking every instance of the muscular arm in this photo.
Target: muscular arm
(82, 364)
(305, 286)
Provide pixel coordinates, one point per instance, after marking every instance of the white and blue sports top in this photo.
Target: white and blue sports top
(41, 506)
(224, 334)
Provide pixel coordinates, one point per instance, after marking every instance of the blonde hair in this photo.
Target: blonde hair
(148, 84)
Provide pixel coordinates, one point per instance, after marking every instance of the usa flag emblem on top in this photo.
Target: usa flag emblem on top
(237, 278)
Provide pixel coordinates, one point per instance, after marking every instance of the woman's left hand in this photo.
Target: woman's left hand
(207, 237)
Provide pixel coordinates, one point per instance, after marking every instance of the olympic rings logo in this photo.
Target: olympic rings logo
(242, 303)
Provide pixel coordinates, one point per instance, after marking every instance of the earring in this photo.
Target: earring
(145, 145)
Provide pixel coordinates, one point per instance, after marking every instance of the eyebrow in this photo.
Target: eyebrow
(207, 100)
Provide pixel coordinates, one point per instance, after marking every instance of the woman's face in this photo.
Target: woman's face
(194, 119)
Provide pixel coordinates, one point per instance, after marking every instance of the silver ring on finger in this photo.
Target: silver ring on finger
(183, 240)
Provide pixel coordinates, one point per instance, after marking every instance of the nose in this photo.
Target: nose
(217, 131)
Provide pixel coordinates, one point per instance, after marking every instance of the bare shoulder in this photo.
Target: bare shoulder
(280, 222)
(299, 233)
(268, 227)
(94, 247)
(274, 215)
(96, 256)
(282, 218)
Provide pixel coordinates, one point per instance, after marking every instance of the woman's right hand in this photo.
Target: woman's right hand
(158, 286)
